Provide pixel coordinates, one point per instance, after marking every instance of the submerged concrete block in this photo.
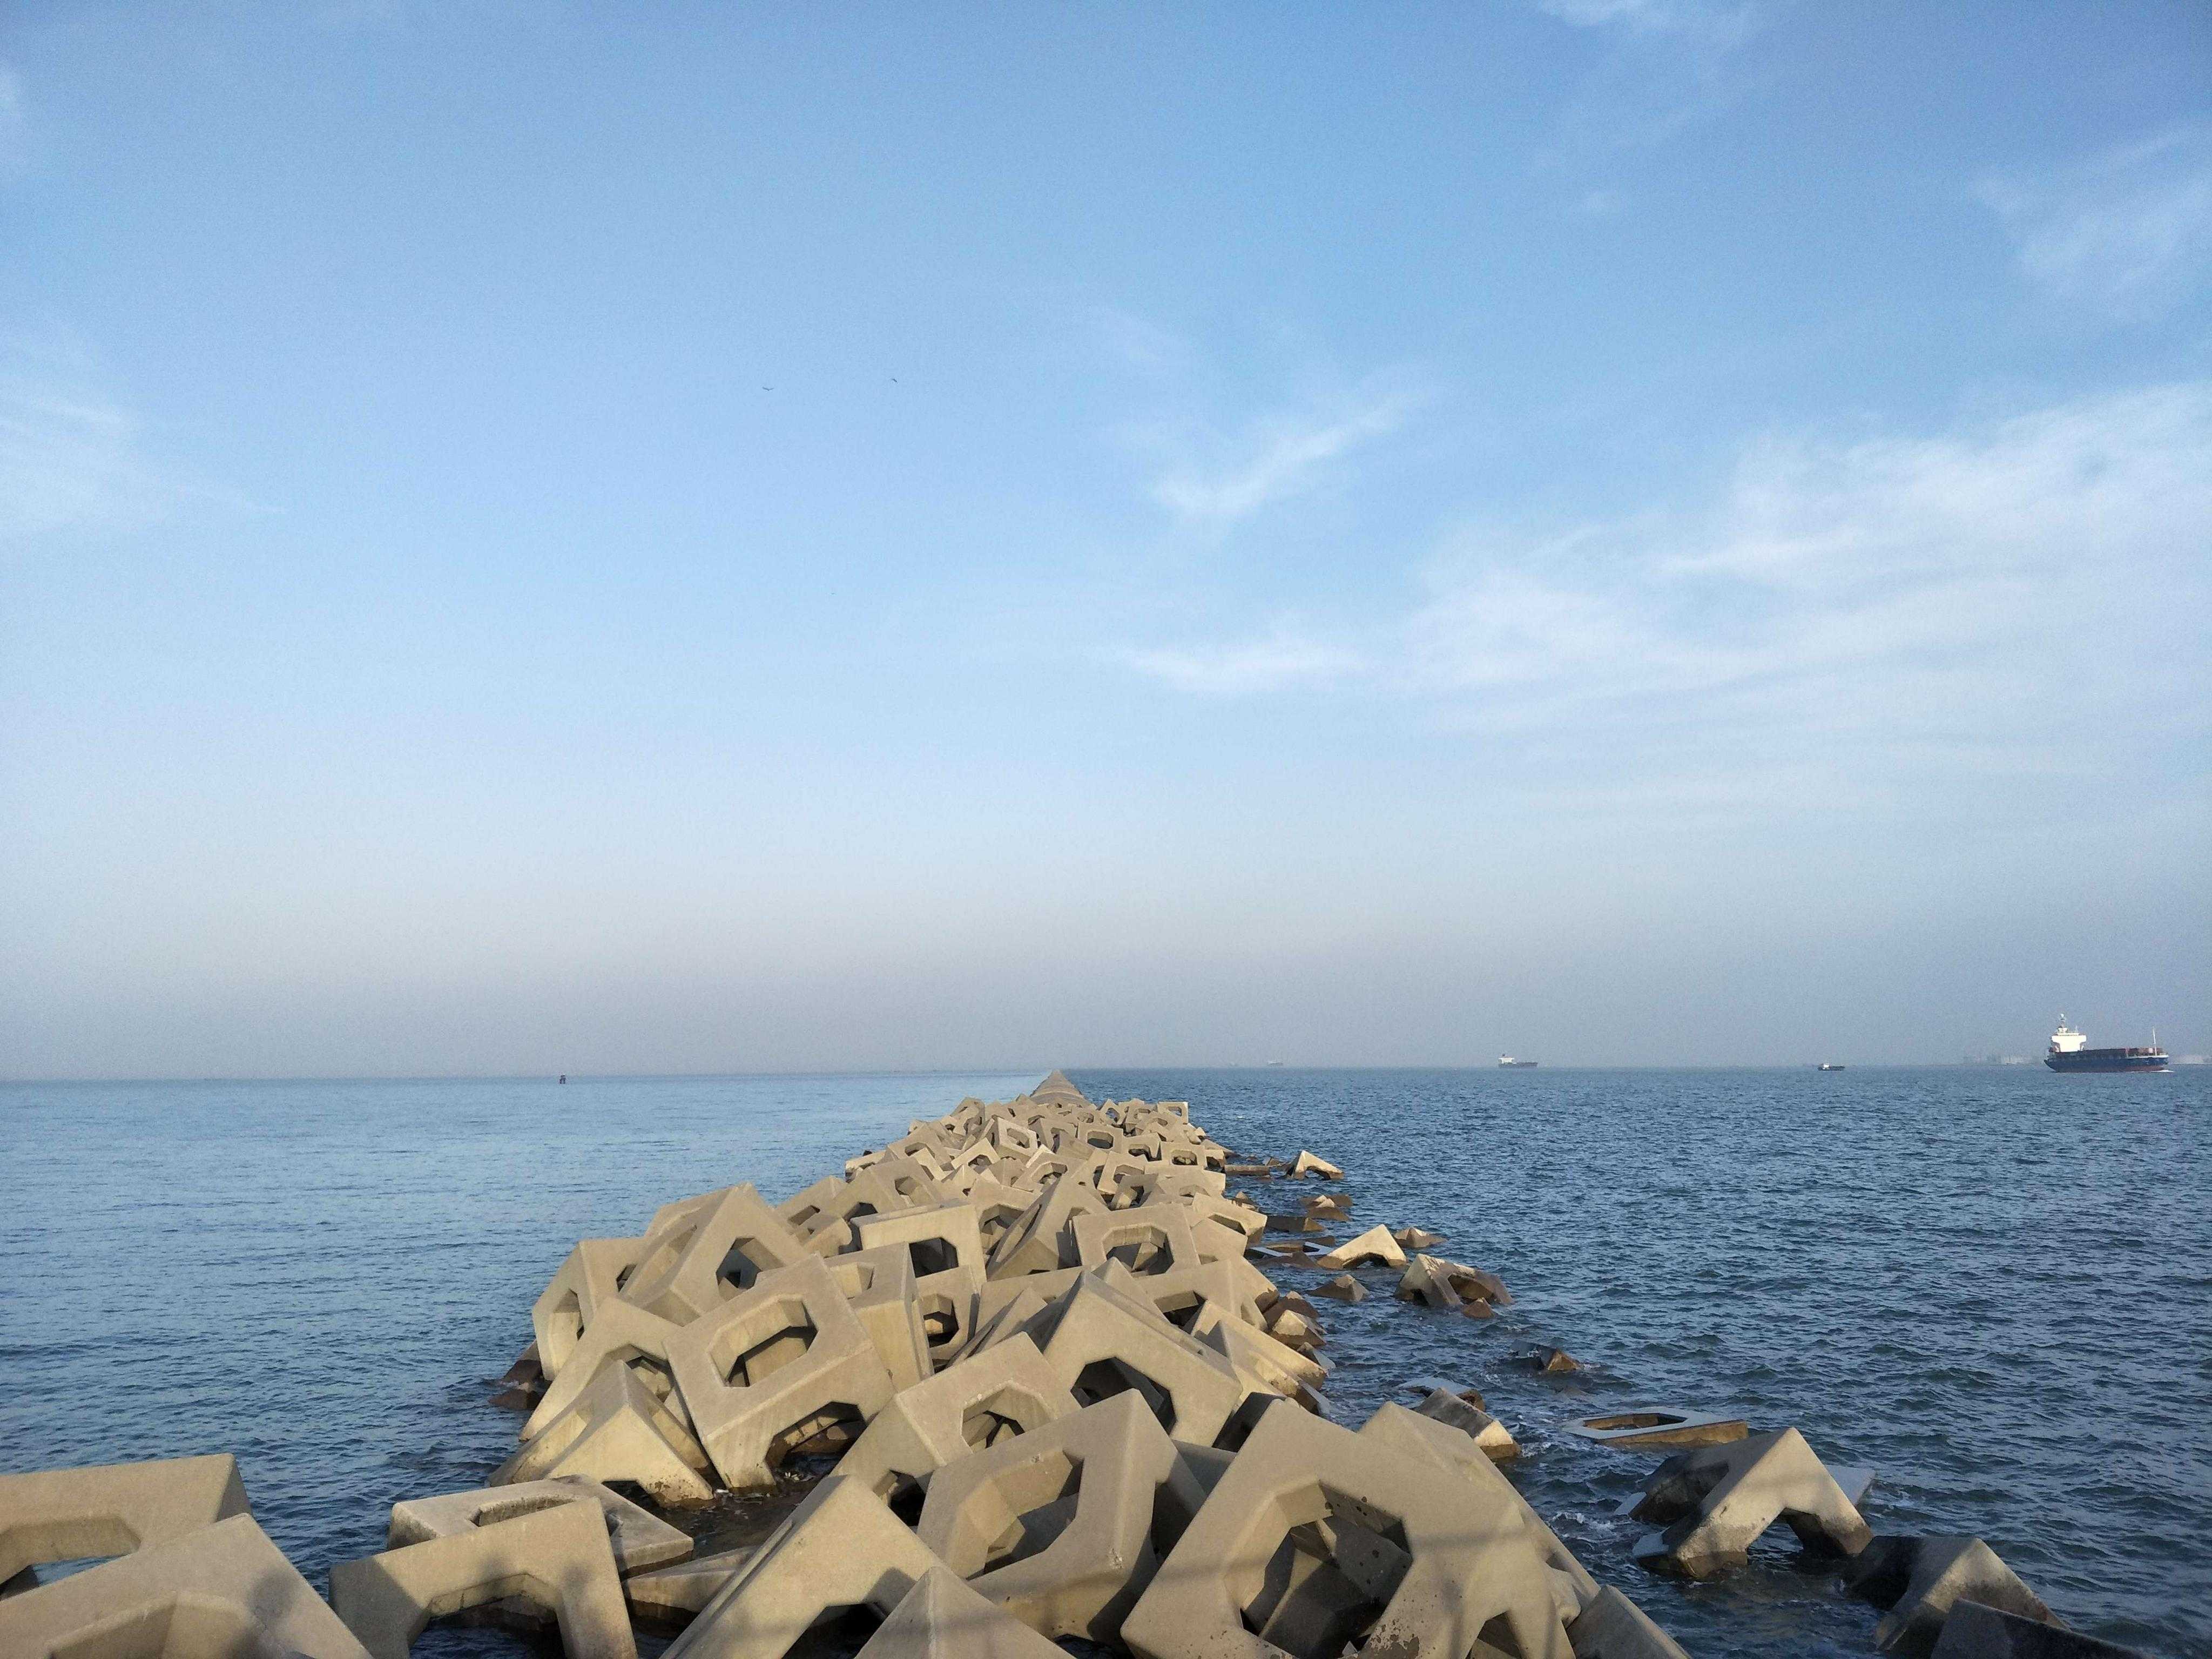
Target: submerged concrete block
(1975, 1631)
(222, 1591)
(840, 1548)
(1319, 1168)
(1316, 1537)
(1614, 1627)
(941, 1618)
(1006, 1390)
(1719, 1499)
(557, 1559)
(1659, 1426)
(1342, 1288)
(1058, 1525)
(110, 1508)
(1920, 1580)
(770, 1370)
(1452, 1284)
(1375, 1244)
(1100, 1342)
(1495, 1440)
(617, 1429)
(640, 1540)
(1418, 1238)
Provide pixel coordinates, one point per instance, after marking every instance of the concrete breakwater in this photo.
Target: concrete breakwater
(1063, 1401)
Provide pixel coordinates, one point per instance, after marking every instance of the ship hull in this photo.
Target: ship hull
(2108, 1060)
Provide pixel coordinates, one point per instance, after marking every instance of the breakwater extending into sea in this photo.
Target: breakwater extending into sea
(1989, 1287)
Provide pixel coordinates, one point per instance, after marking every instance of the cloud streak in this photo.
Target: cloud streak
(1274, 459)
(2005, 599)
(2128, 232)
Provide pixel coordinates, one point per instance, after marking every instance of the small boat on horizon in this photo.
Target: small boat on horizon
(1829, 1065)
(1508, 1063)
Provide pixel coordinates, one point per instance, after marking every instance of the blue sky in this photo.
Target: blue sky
(540, 538)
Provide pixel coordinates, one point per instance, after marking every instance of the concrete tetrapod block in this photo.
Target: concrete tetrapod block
(1154, 1238)
(696, 1264)
(1100, 1342)
(1041, 1240)
(109, 1509)
(556, 1558)
(941, 1618)
(1342, 1288)
(947, 1304)
(840, 1548)
(1057, 1525)
(879, 1287)
(1443, 1284)
(1614, 1627)
(1434, 1442)
(618, 1333)
(1659, 1427)
(1320, 1167)
(1005, 1390)
(1493, 1437)
(222, 1591)
(590, 1277)
(640, 1539)
(1375, 1244)
(617, 1429)
(1975, 1631)
(675, 1594)
(1719, 1499)
(938, 1235)
(1919, 1580)
(1319, 1537)
(1418, 1238)
(771, 1369)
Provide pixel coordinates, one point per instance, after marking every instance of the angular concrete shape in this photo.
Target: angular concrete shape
(947, 1304)
(222, 1591)
(1719, 1499)
(1920, 1580)
(1975, 1631)
(1614, 1627)
(1319, 1168)
(640, 1539)
(1057, 1525)
(590, 1277)
(1100, 1342)
(840, 1548)
(1659, 1426)
(1375, 1244)
(941, 1618)
(673, 1594)
(713, 1253)
(619, 1333)
(1156, 1238)
(1041, 1241)
(617, 1429)
(111, 1509)
(937, 1236)
(768, 1371)
(1316, 1537)
(1418, 1238)
(1450, 1285)
(879, 1287)
(1496, 1441)
(556, 1558)
(1004, 1391)
(1342, 1288)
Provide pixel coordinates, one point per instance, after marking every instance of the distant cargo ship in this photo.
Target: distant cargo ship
(1513, 1064)
(1829, 1065)
(2069, 1053)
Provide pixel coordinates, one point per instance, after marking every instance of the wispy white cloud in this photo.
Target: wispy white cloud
(72, 456)
(1668, 64)
(1230, 478)
(1285, 657)
(1990, 599)
(2128, 232)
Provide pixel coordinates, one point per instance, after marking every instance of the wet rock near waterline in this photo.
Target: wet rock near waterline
(1342, 1288)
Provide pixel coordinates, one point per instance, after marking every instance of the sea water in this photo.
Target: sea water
(1993, 1286)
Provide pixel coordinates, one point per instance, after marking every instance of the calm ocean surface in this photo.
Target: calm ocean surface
(1994, 1287)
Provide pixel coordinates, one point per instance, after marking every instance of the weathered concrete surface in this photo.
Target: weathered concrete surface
(1496, 1441)
(1659, 1426)
(222, 1591)
(1006, 1390)
(1919, 1580)
(1451, 1285)
(941, 1618)
(1975, 1631)
(557, 1559)
(109, 1509)
(1614, 1627)
(1342, 1288)
(1375, 1244)
(1100, 1342)
(1057, 1525)
(1714, 1501)
(1319, 1168)
(617, 1429)
(640, 1540)
(1319, 1536)
(840, 1549)
(673, 1593)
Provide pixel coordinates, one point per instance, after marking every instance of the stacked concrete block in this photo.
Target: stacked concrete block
(1715, 1501)
(1921, 1581)
(111, 1509)
(640, 1539)
(1006, 1391)
(618, 1429)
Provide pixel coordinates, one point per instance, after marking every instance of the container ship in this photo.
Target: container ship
(2069, 1052)
(1510, 1064)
